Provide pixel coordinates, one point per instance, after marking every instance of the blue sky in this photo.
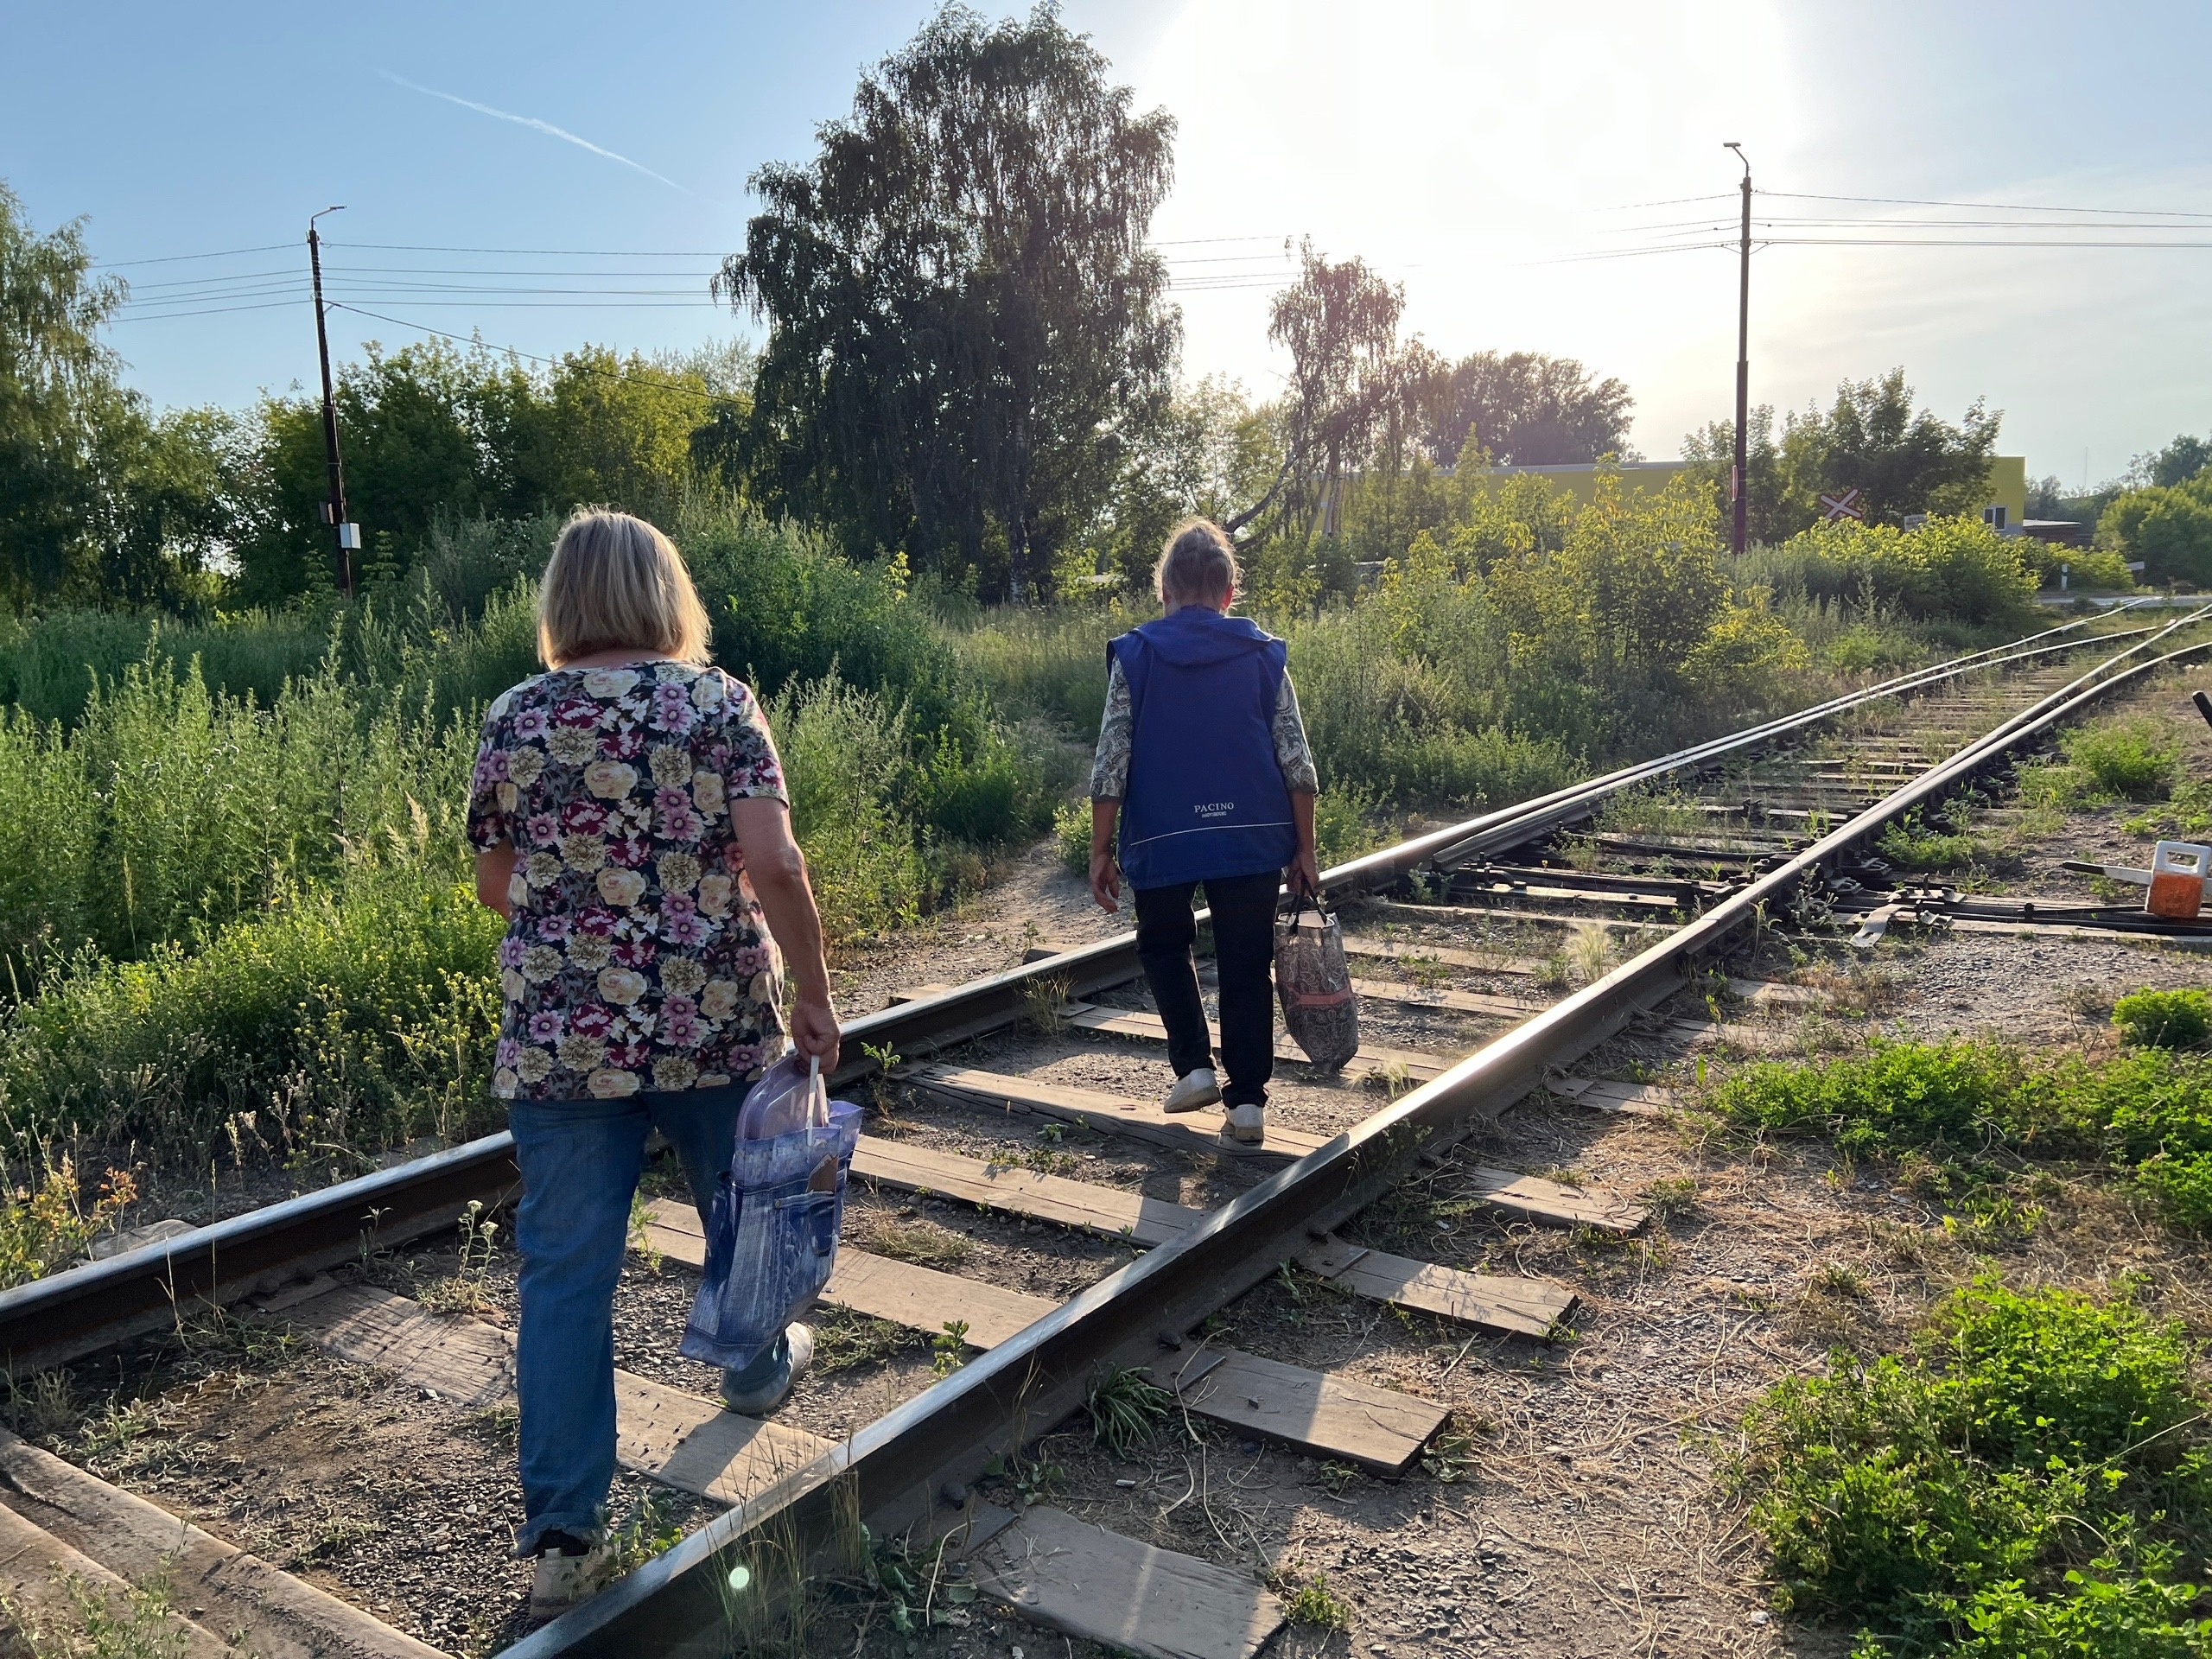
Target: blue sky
(1475, 152)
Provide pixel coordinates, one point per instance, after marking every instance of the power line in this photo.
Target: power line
(173, 258)
(215, 311)
(551, 362)
(2000, 206)
(1961, 242)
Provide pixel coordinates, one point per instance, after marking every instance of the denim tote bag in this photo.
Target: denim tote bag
(772, 1238)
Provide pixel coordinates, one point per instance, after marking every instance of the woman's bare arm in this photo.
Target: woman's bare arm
(495, 869)
(778, 870)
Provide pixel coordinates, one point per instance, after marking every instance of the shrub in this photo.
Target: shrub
(1346, 825)
(1053, 663)
(2130, 758)
(336, 1021)
(1912, 845)
(1957, 569)
(2033, 1468)
(1071, 834)
(171, 808)
(45, 1224)
(844, 758)
(1896, 1097)
(2165, 1019)
(2149, 1113)
(2168, 528)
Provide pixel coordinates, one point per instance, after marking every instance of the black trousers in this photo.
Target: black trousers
(1243, 949)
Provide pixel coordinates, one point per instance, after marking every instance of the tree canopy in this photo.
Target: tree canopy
(966, 332)
(436, 431)
(1524, 409)
(98, 498)
(1901, 460)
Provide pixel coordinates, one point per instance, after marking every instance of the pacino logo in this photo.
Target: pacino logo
(1214, 809)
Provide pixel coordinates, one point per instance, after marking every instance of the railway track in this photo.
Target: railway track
(1491, 956)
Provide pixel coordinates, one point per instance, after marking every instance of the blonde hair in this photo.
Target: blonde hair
(1198, 565)
(615, 581)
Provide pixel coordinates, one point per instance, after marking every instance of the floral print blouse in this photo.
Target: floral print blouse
(636, 958)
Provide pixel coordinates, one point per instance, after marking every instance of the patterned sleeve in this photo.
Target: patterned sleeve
(488, 823)
(754, 766)
(1293, 754)
(1109, 768)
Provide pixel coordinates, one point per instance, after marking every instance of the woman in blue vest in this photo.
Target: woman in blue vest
(1204, 759)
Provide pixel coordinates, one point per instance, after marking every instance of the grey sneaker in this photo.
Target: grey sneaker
(756, 1396)
(569, 1570)
(1247, 1124)
(1192, 1090)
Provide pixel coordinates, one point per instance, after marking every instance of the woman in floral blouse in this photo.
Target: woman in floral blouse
(631, 822)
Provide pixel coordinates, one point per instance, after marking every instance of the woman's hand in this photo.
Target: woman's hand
(1105, 874)
(1304, 875)
(1105, 880)
(814, 1031)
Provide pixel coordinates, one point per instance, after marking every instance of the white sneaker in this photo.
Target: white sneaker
(560, 1581)
(1247, 1124)
(1193, 1091)
(760, 1398)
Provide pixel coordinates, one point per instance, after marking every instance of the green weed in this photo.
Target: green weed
(1672, 1197)
(1032, 1479)
(462, 1291)
(1071, 835)
(1953, 1095)
(45, 1224)
(1911, 844)
(1127, 1410)
(2165, 1019)
(2026, 1479)
(138, 1621)
(844, 1340)
(2133, 759)
(1314, 1605)
(949, 1347)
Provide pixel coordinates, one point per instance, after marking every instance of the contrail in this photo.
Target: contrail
(541, 126)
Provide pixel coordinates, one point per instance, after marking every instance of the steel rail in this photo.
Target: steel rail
(84, 1309)
(893, 1471)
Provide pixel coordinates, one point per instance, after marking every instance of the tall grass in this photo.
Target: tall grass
(351, 1016)
(170, 808)
(51, 666)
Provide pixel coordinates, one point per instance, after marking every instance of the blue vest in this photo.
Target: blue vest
(1205, 797)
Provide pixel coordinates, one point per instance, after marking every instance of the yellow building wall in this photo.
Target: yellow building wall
(2008, 487)
(2008, 480)
(1579, 481)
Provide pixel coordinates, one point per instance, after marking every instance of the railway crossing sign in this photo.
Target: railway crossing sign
(1846, 505)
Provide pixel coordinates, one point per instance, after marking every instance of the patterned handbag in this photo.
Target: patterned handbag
(1319, 1007)
(772, 1238)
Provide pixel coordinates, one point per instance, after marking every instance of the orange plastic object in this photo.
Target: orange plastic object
(2178, 871)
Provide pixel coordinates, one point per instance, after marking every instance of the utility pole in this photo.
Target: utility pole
(1739, 479)
(334, 510)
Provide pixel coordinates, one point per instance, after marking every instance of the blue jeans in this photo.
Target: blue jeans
(580, 1162)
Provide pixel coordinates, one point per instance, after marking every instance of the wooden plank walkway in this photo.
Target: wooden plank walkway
(1054, 1570)
(1524, 1307)
(1146, 1026)
(1506, 1189)
(697, 1445)
(43, 1577)
(1070, 1576)
(1329, 1416)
